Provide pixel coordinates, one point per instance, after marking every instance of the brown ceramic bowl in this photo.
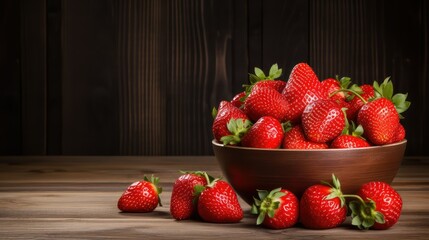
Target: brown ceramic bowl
(249, 169)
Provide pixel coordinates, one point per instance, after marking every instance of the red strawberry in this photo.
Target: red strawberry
(265, 101)
(238, 99)
(378, 206)
(380, 120)
(332, 85)
(294, 138)
(182, 205)
(141, 196)
(399, 134)
(349, 141)
(356, 103)
(277, 209)
(302, 88)
(225, 113)
(218, 203)
(277, 85)
(350, 138)
(323, 206)
(322, 121)
(267, 132)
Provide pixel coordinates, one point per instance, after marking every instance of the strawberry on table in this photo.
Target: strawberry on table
(378, 206)
(224, 114)
(218, 203)
(322, 121)
(294, 138)
(141, 196)
(323, 206)
(302, 88)
(267, 132)
(277, 209)
(183, 204)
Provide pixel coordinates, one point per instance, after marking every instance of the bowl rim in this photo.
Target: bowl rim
(216, 143)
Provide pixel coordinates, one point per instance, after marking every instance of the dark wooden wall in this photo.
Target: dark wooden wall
(140, 77)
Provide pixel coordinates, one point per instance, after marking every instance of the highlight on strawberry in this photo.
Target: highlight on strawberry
(322, 110)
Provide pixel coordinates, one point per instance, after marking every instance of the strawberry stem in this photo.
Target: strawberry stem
(349, 91)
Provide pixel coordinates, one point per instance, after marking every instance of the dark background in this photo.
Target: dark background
(117, 77)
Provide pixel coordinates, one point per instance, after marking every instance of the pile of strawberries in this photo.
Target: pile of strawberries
(196, 195)
(305, 113)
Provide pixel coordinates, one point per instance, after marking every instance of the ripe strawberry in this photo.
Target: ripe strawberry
(380, 120)
(265, 101)
(238, 99)
(302, 88)
(225, 113)
(267, 132)
(260, 79)
(322, 121)
(294, 138)
(333, 85)
(350, 138)
(218, 203)
(281, 207)
(323, 206)
(277, 85)
(399, 134)
(355, 104)
(378, 206)
(141, 196)
(182, 205)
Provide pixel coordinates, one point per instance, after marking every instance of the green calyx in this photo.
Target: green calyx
(237, 127)
(353, 130)
(335, 191)
(259, 75)
(364, 215)
(385, 89)
(267, 204)
(198, 189)
(155, 181)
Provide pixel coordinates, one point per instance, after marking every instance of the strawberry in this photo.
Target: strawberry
(265, 101)
(218, 203)
(331, 86)
(302, 88)
(277, 85)
(238, 99)
(182, 205)
(141, 196)
(323, 206)
(399, 134)
(277, 209)
(350, 138)
(378, 206)
(224, 114)
(355, 104)
(267, 132)
(294, 138)
(380, 120)
(322, 121)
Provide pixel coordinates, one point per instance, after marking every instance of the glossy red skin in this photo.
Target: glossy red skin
(236, 100)
(318, 213)
(379, 120)
(182, 196)
(387, 201)
(399, 134)
(356, 103)
(302, 88)
(295, 139)
(226, 112)
(322, 121)
(278, 85)
(265, 101)
(219, 204)
(286, 215)
(331, 85)
(349, 141)
(267, 132)
(140, 196)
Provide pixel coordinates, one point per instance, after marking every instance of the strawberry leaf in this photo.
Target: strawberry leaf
(259, 73)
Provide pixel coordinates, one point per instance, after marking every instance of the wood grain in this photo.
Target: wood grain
(75, 198)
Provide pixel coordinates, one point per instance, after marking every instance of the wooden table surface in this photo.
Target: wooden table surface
(75, 198)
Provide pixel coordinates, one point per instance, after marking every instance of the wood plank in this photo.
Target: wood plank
(75, 198)
(33, 76)
(10, 79)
